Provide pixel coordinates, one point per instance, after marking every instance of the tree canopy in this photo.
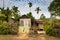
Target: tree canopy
(30, 15)
(42, 17)
(6, 14)
(54, 8)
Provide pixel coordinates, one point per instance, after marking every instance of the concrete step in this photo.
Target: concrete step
(41, 32)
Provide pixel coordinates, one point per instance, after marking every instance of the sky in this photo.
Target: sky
(23, 6)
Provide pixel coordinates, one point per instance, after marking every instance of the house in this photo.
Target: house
(26, 23)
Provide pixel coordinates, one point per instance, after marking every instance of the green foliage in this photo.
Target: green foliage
(4, 30)
(30, 15)
(37, 9)
(7, 24)
(52, 31)
(30, 4)
(48, 29)
(8, 28)
(2, 17)
(5, 13)
(42, 17)
(17, 16)
(54, 8)
(56, 32)
(15, 13)
(15, 9)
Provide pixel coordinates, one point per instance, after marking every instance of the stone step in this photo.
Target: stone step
(39, 32)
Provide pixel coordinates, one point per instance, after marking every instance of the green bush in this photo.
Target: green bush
(4, 30)
(48, 30)
(56, 32)
(2, 16)
(52, 31)
(8, 28)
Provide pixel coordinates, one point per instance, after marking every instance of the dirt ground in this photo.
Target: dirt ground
(28, 37)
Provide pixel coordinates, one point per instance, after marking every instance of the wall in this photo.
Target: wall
(41, 26)
(25, 29)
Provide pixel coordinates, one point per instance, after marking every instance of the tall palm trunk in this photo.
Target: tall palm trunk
(30, 9)
(38, 9)
(3, 3)
(30, 5)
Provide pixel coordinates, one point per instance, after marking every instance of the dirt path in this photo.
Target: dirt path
(28, 37)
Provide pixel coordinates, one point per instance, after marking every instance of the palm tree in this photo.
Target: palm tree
(37, 9)
(30, 5)
(30, 15)
(42, 17)
(15, 9)
(15, 13)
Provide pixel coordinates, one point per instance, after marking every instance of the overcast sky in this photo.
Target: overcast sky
(24, 8)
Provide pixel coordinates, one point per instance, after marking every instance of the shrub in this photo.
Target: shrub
(56, 32)
(4, 30)
(52, 31)
(8, 28)
(48, 30)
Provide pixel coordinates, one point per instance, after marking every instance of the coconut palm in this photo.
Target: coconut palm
(3, 3)
(37, 9)
(42, 17)
(15, 12)
(15, 9)
(30, 5)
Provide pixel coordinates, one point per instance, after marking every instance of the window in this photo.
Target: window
(21, 23)
(25, 23)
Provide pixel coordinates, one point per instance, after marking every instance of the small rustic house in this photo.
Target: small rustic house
(25, 24)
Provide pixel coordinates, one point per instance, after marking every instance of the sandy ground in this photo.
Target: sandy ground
(28, 37)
